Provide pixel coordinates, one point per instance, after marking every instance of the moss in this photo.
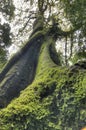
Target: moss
(62, 107)
(56, 100)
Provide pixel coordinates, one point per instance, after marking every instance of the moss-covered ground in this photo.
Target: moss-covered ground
(56, 100)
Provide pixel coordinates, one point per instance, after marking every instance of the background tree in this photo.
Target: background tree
(6, 13)
(75, 13)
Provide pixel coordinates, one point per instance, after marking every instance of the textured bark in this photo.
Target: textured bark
(20, 70)
(55, 100)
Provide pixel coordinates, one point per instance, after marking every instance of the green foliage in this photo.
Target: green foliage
(5, 41)
(5, 34)
(6, 13)
(7, 8)
(79, 56)
(75, 11)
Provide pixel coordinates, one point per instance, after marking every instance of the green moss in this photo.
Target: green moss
(56, 100)
(49, 103)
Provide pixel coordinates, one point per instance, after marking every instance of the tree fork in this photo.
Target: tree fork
(20, 71)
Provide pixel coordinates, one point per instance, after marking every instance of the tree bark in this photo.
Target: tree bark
(20, 70)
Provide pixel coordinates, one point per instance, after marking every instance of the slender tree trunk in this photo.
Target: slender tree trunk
(66, 62)
(71, 45)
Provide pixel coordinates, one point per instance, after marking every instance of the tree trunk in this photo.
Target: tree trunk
(20, 70)
(55, 100)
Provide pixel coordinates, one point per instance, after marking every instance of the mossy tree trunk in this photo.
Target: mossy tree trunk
(53, 97)
(20, 70)
(56, 98)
